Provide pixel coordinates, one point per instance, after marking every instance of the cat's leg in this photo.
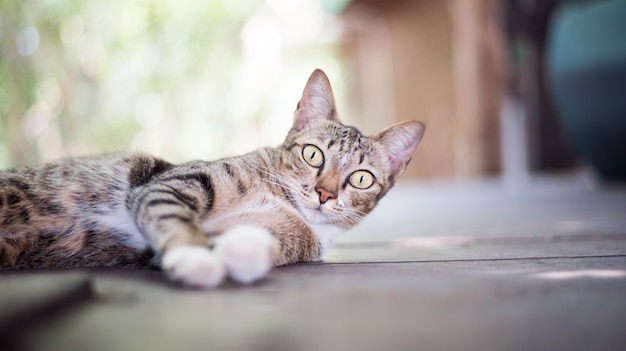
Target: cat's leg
(167, 213)
(248, 252)
(298, 242)
(268, 239)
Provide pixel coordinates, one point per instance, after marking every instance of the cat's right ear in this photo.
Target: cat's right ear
(317, 101)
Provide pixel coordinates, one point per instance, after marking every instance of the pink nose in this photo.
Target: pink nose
(325, 195)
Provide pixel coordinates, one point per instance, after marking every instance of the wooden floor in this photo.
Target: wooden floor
(438, 267)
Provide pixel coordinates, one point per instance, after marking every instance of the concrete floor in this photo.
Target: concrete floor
(438, 267)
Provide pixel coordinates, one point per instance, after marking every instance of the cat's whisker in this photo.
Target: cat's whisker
(281, 181)
(275, 175)
(354, 216)
(277, 183)
(280, 174)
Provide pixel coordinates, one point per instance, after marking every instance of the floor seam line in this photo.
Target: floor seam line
(478, 259)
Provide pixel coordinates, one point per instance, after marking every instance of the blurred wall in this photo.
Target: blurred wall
(185, 79)
(435, 61)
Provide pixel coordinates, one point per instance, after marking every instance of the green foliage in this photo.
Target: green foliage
(80, 77)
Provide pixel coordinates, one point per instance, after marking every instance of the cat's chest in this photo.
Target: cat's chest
(326, 234)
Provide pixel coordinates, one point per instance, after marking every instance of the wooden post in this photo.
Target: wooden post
(443, 68)
(477, 74)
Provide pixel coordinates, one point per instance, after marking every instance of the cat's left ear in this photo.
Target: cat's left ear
(399, 143)
(317, 101)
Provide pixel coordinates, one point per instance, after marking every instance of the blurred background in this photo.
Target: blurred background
(507, 87)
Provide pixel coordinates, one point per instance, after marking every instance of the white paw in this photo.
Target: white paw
(247, 252)
(193, 266)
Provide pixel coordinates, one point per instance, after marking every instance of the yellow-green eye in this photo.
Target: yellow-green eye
(361, 179)
(313, 155)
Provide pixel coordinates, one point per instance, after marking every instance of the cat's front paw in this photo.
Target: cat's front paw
(194, 266)
(248, 252)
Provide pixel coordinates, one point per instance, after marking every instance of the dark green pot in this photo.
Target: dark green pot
(586, 68)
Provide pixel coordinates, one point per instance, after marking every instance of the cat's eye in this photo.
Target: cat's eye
(361, 179)
(313, 155)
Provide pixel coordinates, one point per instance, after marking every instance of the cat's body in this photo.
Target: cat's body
(88, 211)
(201, 221)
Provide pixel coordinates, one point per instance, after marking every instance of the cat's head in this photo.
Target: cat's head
(337, 175)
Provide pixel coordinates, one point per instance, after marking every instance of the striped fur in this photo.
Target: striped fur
(130, 210)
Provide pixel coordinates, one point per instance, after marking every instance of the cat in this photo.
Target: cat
(202, 222)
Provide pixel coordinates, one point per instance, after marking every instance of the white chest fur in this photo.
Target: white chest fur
(325, 234)
(122, 222)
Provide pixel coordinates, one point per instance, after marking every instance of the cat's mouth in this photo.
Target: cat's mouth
(318, 214)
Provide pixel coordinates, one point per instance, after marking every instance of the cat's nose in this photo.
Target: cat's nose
(325, 195)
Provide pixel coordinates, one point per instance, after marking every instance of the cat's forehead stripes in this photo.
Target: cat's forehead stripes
(345, 159)
(343, 137)
(344, 145)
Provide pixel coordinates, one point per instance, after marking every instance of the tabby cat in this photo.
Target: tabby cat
(201, 222)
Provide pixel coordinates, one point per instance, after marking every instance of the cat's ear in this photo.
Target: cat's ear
(399, 142)
(317, 101)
